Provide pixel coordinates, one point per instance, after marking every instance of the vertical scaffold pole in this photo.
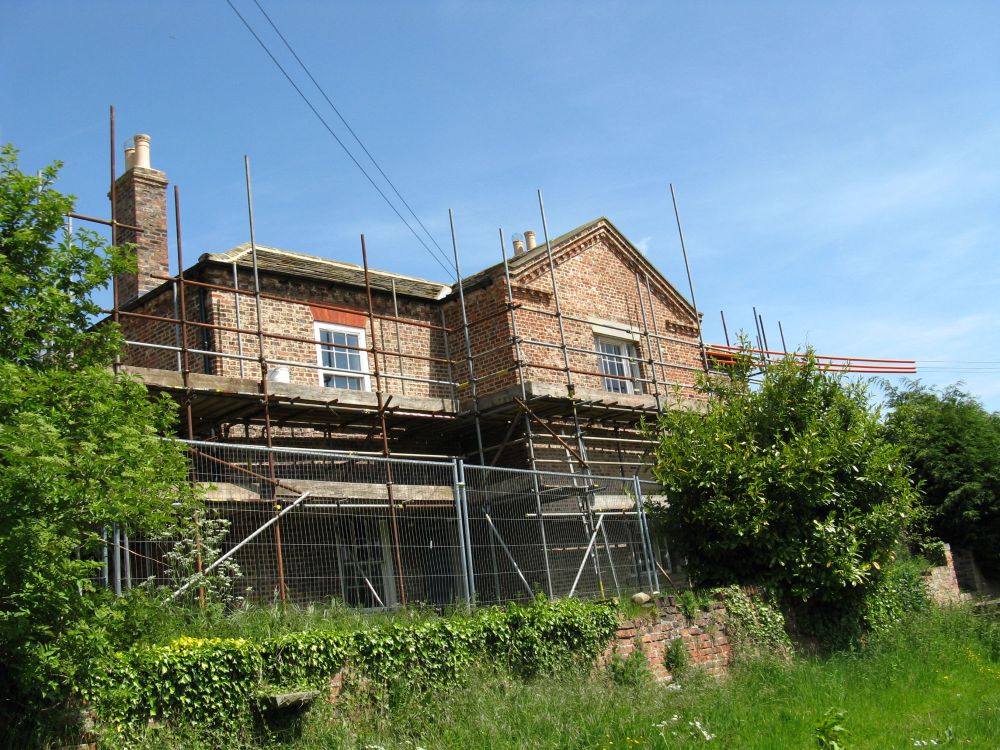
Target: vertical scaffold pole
(264, 387)
(656, 332)
(473, 387)
(468, 530)
(384, 426)
(649, 343)
(116, 559)
(529, 433)
(647, 541)
(468, 342)
(570, 388)
(586, 507)
(463, 543)
(687, 267)
(186, 366)
(113, 193)
(126, 549)
(185, 361)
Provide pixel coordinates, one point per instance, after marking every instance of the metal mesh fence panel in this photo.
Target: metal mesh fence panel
(559, 534)
(370, 531)
(309, 526)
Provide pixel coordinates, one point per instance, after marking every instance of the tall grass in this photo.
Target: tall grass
(931, 678)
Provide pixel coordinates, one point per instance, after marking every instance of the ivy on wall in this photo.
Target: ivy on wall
(211, 684)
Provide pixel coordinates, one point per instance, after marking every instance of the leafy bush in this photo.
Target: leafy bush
(899, 590)
(692, 603)
(79, 448)
(790, 485)
(632, 670)
(677, 659)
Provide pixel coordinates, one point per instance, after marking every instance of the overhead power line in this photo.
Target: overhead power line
(330, 130)
(347, 125)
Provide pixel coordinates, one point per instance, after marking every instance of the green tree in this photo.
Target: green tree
(48, 276)
(79, 447)
(791, 484)
(953, 445)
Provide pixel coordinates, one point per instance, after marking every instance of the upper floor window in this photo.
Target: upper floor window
(617, 358)
(342, 355)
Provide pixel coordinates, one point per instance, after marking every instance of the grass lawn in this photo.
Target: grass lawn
(932, 679)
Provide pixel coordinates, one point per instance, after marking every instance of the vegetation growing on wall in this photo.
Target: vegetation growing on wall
(212, 683)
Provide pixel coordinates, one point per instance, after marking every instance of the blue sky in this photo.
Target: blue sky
(837, 164)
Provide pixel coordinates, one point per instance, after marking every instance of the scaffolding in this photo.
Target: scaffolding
(557, 421)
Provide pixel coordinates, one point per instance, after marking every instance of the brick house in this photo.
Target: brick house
(630, 340)
(549, 359)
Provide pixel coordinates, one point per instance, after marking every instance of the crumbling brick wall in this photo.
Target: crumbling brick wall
(704, 636)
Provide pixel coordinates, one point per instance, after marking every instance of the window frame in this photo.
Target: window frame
(364, 373)
(630, 359)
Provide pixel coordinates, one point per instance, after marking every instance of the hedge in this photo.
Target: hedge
(213, 682)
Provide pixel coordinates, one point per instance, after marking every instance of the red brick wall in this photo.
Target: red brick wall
(489, 335)
(297, 320)
(704, 637)
(167, 332)
(597, 281)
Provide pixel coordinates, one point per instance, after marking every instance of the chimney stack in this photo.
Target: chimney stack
(529, 239)
(141, 200)
(518, 245)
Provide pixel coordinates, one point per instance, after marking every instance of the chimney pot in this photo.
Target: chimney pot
(129, 157)
(142, 151)
(518, 245)
(529, 239)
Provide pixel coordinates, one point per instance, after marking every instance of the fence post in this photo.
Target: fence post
(116, 559)
(126, 553)
(471, 570)
(105, 578)
(541, 528)
(460, 521)
(651, 574)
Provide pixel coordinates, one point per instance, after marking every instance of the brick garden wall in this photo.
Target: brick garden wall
(704, 637)
(942, 581)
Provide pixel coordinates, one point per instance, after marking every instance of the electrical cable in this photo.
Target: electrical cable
(335, 136)
(347, 125)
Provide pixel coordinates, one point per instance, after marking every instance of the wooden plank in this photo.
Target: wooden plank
(367, 491)
(217, 491)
